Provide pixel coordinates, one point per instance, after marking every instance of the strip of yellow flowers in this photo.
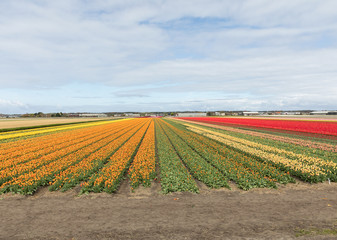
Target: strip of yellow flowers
(25, 133)
(299, 163)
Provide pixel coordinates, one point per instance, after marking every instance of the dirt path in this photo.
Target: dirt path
(147, 214)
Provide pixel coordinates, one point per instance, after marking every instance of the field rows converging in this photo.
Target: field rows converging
(47, 130)
(178, 154)
(242, 169)
(40, 147)
(269, 135)
(318, 127)
(33, 144)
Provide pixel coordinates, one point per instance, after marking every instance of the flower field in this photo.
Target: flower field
(46, 130)
(177, 154)
(317, 127)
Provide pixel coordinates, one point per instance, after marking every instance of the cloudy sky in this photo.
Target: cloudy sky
(98, 55)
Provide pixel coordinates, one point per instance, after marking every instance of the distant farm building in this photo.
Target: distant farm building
(250, 113)
(192, 114)
(92, 115)
(319, 113)
(324, 113)
(132, 114)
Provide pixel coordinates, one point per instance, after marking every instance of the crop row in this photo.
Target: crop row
(198, 166)
(291, 140)
(314, 137)
(27, 163)
(246, 171)
(21, 147)
(174, 176)
(61, 143)
(90, 165)
(24, 133)
(319, 127)
(177, 154)
(29, 176)
(303, 150)
(109, 177)
(143, 167)
(307, 168)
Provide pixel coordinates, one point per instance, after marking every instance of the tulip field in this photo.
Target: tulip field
(316, 127)
(179, 154)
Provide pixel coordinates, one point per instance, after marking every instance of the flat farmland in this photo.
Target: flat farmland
(30, 122)
(159, 177)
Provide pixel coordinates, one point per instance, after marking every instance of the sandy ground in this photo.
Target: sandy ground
(147, 214)
(27, 122)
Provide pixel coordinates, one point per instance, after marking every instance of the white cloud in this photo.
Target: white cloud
(4, 102)
(266, 52)
(10, 106)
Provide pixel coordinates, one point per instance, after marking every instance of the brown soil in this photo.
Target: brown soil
(28, 122)
(147, 214)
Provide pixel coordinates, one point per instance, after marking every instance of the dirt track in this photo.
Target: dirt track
(147, 214)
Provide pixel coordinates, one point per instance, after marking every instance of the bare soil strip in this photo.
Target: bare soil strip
(147, 214)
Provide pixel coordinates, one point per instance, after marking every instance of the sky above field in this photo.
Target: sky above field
(172, 55)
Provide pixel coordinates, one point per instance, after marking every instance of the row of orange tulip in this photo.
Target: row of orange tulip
(91, 164)
(46, 130)
(29, 162)
(29, 176)
(142, 169)
(52, 151)
(23, 147)
(108, 178)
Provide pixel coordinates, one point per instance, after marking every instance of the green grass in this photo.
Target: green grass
(316, 232)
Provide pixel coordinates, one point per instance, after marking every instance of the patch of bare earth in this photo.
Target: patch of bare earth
(147, 214)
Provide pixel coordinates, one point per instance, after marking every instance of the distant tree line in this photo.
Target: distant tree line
(41, 114)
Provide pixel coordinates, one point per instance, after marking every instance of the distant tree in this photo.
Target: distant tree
(59, 114)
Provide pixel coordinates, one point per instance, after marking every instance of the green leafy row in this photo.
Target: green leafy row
(174, 176)
(246, 171)
(199, 167)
